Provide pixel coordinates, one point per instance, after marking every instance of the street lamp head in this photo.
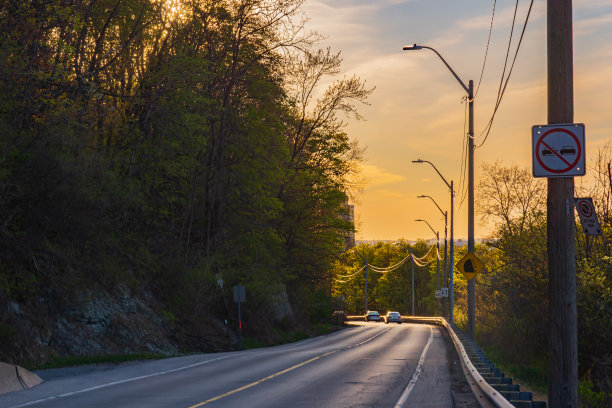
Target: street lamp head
(412, 47)
(419, 220)
(422, 196)
(418, 161)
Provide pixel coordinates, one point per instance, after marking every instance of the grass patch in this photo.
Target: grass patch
(59, 362)
(251, 343)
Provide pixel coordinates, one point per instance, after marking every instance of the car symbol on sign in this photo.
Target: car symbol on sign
(565, 151)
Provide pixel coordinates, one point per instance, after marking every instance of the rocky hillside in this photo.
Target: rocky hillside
(97, 322)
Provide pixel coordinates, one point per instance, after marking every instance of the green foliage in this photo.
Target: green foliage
(386, 291)
(58, 362)
(512, 292)
(166, 151)
(588, 397)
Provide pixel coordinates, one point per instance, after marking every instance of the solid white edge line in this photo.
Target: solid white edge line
(97, 387)
(415, 376)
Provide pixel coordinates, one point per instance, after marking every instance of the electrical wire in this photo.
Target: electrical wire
(389, 268)
(392, 268)
(418, 263)
(464, 160)
(350, 275)
(484, 63)
(502, 90)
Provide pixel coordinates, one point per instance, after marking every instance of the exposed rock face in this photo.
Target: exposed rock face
(281, 308)
(93, 323)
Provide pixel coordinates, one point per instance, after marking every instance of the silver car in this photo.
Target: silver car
(393, 317)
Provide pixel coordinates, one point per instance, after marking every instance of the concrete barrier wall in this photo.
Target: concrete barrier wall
(16, 378)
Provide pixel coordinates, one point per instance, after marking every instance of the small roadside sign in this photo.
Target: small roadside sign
(444, 292)
(588, 216)
(239, 297)
(438, 294)
(558, 150)
(239, 294)
(470, 266)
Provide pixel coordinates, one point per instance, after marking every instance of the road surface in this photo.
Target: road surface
(367, 365)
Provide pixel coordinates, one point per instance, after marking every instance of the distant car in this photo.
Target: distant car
(372, 315)
(393, 317)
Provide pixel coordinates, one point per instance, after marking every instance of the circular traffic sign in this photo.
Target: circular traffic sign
(585, 208)
(543, 148)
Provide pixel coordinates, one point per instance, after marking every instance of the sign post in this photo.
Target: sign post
(239, 297)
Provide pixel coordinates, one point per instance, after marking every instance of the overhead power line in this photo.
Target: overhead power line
(504, 82)
(484, 62)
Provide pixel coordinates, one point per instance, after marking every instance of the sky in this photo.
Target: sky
(417, 109)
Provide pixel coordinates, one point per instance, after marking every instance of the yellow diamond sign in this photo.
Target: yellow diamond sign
(470, 265)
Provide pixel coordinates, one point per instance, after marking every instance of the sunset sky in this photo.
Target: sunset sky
(417, 110)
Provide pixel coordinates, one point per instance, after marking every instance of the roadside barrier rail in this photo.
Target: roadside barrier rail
(490, 386)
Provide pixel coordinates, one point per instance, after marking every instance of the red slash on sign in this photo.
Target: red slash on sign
(585, 208)
(558, 150)
(548, 164)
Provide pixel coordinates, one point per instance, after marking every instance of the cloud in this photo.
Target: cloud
(390, 193)
(587, 26)
(377, 176)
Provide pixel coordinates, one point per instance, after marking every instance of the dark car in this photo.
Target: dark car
(393, 317)
(372, 316)
(568, 151)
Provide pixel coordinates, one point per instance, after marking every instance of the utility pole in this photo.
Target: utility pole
(438, 268)
(471, 286)
(563, 353)
(451, 266)
(445, 278)
(412, 256)
(366, 287)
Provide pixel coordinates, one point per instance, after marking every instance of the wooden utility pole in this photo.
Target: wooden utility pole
(563, 354)
(471, 284)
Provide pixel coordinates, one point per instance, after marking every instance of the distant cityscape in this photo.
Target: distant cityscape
(460, 242)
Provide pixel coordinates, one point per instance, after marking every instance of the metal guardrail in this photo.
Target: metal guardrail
(486, 394)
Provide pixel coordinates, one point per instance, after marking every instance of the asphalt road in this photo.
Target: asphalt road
(368, 365)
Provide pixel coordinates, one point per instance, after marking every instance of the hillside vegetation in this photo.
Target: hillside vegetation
(153, 154)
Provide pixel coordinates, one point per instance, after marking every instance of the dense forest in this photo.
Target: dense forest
(173, 148)
(512, 292)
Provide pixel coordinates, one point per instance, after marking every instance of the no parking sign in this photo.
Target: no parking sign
(558, 150)
(588, 216)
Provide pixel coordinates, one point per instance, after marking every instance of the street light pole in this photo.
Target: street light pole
(470, 93)
(437, 234)
(451, 292)
(444, 268)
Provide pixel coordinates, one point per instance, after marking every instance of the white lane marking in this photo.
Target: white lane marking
(97, 387)
(253, 384)
(415, 376)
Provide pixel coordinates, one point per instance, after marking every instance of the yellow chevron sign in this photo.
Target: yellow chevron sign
(469, 265)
